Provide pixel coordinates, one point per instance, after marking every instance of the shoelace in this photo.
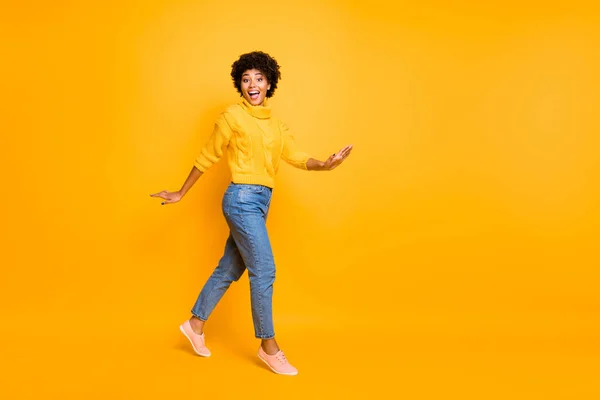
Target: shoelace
(281, 358)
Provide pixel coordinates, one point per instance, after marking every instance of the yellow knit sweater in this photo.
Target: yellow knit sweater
(255, 143)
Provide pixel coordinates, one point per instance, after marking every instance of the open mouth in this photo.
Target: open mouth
(253, 94)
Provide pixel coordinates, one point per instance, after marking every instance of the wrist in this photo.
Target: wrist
(315, 165)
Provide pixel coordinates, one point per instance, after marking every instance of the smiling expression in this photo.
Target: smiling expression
(254, 87)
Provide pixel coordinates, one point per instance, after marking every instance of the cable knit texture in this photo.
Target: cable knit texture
(254, 142)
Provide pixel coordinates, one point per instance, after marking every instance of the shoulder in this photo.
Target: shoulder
(230, 116)
(233, 109)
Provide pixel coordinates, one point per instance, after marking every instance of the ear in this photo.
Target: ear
(269, 87)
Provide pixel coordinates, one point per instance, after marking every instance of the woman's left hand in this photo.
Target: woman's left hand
(337, 158)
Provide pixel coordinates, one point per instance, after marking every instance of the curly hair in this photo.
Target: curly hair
(260, 61)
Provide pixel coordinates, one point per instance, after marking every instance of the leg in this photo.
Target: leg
(256, 251)
(246, 217)
(230, 269)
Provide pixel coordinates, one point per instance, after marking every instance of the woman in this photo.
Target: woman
(255, 142)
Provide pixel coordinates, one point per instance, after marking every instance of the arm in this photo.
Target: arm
(194, 175)
(211, 153)
(315, 165)
(292, 155)
(332, 162)
(291, 152)
(174, 197)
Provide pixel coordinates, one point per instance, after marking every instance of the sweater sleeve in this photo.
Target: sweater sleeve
(215, 146)
(291, 152)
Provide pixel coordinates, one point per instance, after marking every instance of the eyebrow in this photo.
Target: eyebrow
(258, 73)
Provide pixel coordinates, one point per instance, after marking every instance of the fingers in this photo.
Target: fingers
(339, 157)
(166, 201)
(343, 153)
(346, 150)
(163, 195)
(159, 194)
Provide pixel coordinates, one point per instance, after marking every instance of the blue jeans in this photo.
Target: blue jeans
(245, 208)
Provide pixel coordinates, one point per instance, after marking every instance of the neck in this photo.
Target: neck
(262, 111)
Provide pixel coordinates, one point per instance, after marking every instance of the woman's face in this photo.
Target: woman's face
(254, 86)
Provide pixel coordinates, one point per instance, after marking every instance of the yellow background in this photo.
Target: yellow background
(454, 254)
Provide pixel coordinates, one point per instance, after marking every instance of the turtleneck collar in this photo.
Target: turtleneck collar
(262, 112)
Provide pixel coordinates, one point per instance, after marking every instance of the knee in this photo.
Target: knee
(267, 275)
(235, 276)
(231, 274)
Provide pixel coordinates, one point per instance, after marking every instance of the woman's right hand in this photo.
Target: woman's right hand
(168, 197)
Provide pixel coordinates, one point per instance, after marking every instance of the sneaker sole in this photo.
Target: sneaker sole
(192, 343)
(274, 370)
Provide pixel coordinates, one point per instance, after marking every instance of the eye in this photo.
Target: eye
(245, 80)
(260, 79)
